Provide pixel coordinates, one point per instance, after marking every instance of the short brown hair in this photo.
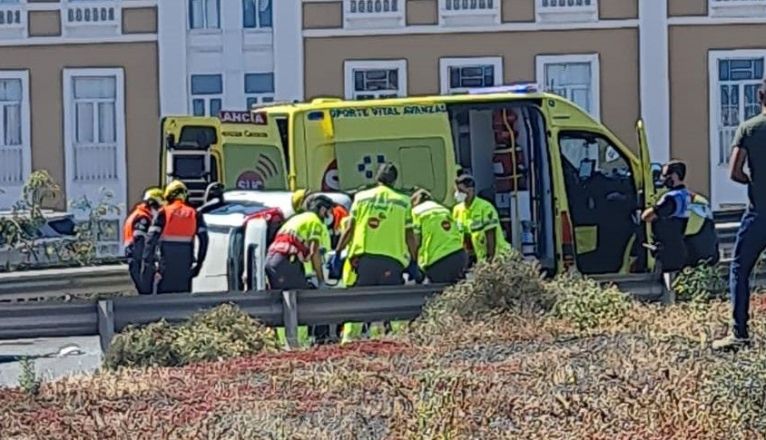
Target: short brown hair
(420, 196)
(676, 167)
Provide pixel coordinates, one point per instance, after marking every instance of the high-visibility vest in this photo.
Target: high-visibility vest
(180, 223)
(128, 234)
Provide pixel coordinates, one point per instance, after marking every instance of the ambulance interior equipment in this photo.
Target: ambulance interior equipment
(504, 146)
(190, 159)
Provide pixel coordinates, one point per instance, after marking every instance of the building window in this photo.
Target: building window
(204, 14)
(256, 14)
(575, 77)
(469, 13)
(259, 88)
(375, 79)
(738, 82)
(374, 14)
(559, 11)
(459, 75)
(736, 8)
(11, 129)
(95, 128)
(207, 94)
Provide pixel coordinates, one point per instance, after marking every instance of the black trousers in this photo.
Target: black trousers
(448, 270)
(284, 274)
(144, 284)
(378, 270)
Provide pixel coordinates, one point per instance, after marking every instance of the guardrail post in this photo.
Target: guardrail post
(290, 317)
(105, 324)
(668, 294)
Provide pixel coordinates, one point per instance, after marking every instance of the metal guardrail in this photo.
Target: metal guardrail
(49, 283)
(277, 309)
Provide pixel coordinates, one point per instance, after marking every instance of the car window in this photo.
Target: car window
(592, 154)
(245, 208)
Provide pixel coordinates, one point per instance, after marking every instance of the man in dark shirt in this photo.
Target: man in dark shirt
(749, 146)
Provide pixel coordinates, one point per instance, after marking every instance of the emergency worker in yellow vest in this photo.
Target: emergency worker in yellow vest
(440, 252)
(380, 233)
(478, 221)
(134, 237)
(380, 238)
(297, 241)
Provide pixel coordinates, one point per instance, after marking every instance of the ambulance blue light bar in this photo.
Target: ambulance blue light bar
(511, 88)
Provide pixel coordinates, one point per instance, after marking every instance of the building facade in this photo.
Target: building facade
(83, 83)
(65, 69)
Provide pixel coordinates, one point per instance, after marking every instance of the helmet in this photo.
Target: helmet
(298, 197)
(176, 190)
(154, 195)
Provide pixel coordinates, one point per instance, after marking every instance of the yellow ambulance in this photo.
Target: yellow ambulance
(567, 189)
(239, 149)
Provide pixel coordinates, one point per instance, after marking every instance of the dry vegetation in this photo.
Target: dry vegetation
(509, 356)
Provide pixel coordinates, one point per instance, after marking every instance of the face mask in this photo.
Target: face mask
(329, 219)
(460, 196)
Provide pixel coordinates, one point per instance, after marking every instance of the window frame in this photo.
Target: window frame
(445, 64)
(206, 26)
(350, 66)
(207, 98)
(259, 97)
(25, 121)
(258, 26)
(541, 61)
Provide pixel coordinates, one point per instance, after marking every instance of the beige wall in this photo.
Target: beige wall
(44, 23)
(322, 15)
(689, 90)
(422, 12)
(46, 64)
(618, 49)
(139, 20)
(677, 8)
(518, 10)
(619, 9)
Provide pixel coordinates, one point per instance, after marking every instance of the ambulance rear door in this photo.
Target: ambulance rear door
(189, 145)
(252, 152)
(415, 137)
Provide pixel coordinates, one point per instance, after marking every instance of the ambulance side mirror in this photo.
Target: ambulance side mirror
(657, 175)
(170, 142)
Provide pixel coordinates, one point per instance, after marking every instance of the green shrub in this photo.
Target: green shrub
(585, 302)
(28, 379)
(220, 333)
(700, 283)
(507, 284)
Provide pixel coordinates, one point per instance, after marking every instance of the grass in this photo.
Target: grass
(560, 364)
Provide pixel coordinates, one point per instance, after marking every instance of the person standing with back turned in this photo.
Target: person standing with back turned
(173, 231)
(440, 253)
(748, 146)
(381, 234)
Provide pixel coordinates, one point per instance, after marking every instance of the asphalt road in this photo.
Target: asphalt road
(80, 355)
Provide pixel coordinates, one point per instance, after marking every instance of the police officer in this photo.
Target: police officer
(748, 147)
(440, 251)
(173, 231)
(669, 217)
(381, 234)
(478, 221)
(134, 235)
(297, 241)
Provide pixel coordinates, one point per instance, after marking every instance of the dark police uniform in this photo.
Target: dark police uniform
(669, 229)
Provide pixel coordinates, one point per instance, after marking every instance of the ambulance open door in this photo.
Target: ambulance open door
(646, 193)
(190, 154)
